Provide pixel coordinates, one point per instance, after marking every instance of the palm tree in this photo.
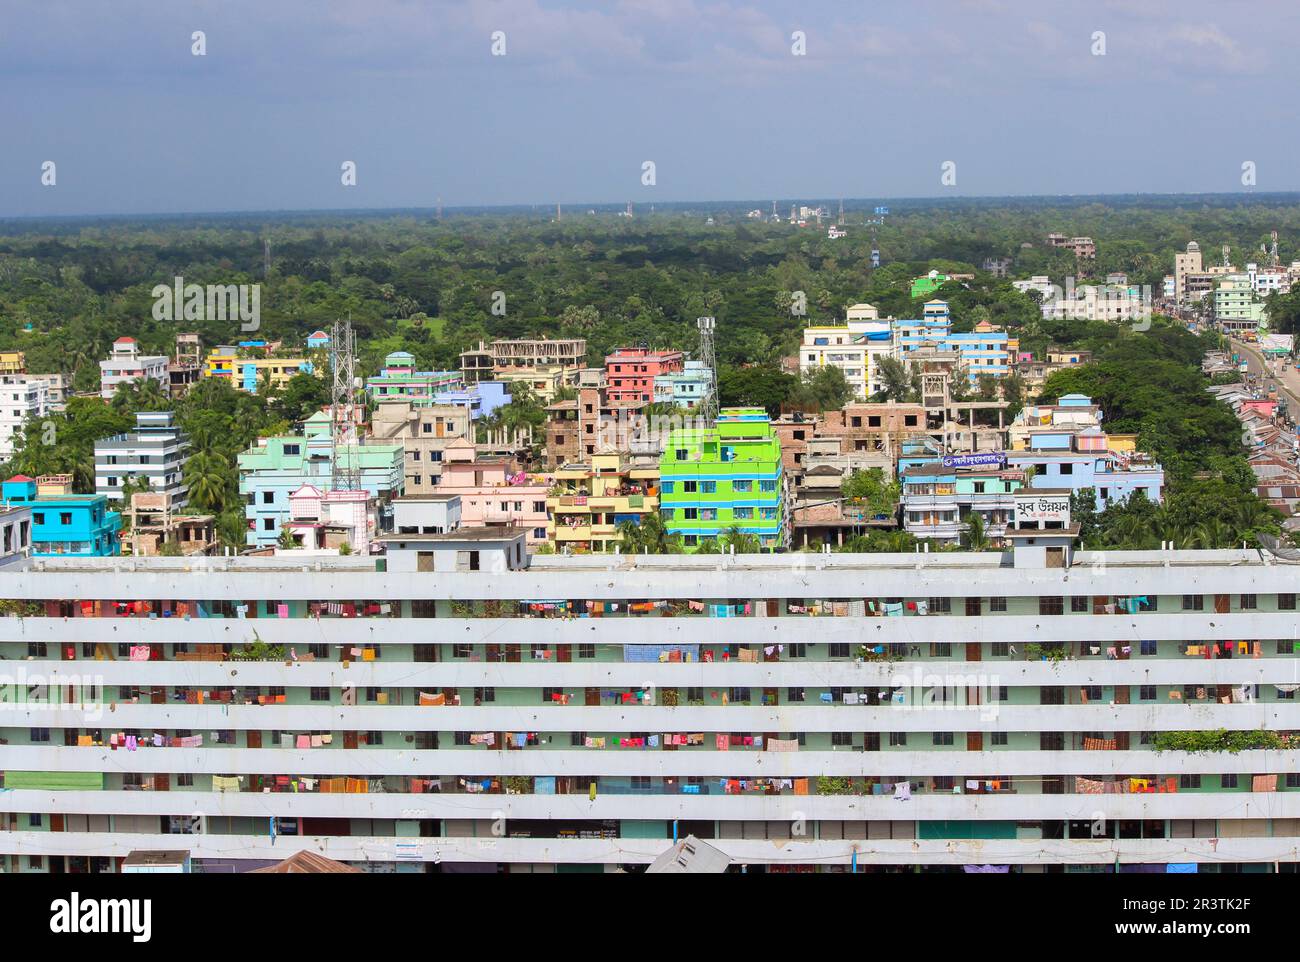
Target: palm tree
(740, 542)
(232, 530)
(651, 536)
(208, 480)
(975, 539)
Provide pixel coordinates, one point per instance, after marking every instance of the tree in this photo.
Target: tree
(763, 387)
(872, 491)
(975, 539)
(822, 390)
(286, 540)
(650, 536)
(895, 379)
(740, 542)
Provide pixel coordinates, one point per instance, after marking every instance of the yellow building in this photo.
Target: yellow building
(13, 362)
(588, 501)
(248, 373)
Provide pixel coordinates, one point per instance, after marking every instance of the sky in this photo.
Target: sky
(723, 98)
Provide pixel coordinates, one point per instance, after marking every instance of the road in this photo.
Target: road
(1288, 383)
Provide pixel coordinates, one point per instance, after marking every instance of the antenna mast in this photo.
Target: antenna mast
(709, 403)
(345, 471)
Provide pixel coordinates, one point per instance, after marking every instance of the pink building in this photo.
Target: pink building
(630, 373)
(323, 521)
(492, 492)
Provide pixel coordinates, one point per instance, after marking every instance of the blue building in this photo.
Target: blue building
(276, 467)
(1113, 475)
(317, 340)
(983, 351)
(685, 388)
(64, 523)
(481, 399)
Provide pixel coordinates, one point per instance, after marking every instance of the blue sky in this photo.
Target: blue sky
(1010, 91)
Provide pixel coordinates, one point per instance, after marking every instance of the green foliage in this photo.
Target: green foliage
(877, 541)
(974, 538)
(259, 650)
(649, 537)
(834, 785)
(1219, 740)
(1150, 385)
(822, 390)
(872, 491)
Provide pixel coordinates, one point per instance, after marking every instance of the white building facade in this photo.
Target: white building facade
(488, 710)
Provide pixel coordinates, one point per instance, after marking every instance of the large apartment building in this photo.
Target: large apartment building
(456, 706)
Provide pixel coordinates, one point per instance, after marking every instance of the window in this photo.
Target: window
(999, 738)
(742, 486)
(1189, 781)
(39, 735)
(484, 695)
(841, 739)
(1050, 606)
(587, 651)
(767, 487)
(1003, 693)
(1286, 602)
(1147, 693)
(1000, 649)
(941, 738)
(690, 487)
(1193, 602)
(1078, 603)
(268, 497)
(1228, 780)
(320, 694)
(1051, 695)
(839, 650)
(897, 739)
(794, 695)
(743, 514)
(1247, 602)
(998, 604)
(708, 487)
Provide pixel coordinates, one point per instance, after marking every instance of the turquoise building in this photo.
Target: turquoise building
(400, 381)
(685, 388)
(278, 466)
(65, 523)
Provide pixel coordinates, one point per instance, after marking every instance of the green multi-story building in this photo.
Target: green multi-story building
(725, 476)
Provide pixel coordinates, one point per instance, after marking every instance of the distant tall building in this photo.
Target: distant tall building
(1184, 264)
